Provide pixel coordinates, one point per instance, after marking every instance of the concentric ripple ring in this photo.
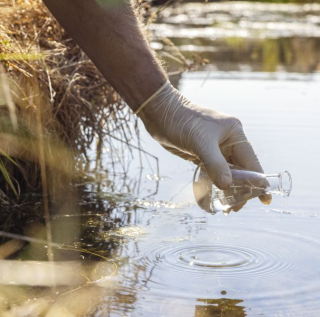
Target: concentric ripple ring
(227, 260)
(215, 257)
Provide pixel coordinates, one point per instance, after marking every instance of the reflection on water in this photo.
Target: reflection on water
(244, 36)
(219, 307)
(130, 243)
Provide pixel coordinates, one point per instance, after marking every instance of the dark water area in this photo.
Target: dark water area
(129, 239)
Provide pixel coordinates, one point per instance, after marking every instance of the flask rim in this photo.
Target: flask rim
(282, 175)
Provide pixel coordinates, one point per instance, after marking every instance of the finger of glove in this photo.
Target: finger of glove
(183, 155)
(247, 158)
(238, 207)
(217, 167)
(234, 208)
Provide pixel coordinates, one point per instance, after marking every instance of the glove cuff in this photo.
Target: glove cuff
(152, 97)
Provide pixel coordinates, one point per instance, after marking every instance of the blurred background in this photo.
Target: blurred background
(264, 36)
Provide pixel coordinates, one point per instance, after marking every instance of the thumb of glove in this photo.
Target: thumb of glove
(246, 157)
(217, 167)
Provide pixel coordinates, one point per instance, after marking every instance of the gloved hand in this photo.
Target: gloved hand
(199, 135)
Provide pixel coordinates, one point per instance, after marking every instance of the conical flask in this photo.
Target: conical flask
(246, 185)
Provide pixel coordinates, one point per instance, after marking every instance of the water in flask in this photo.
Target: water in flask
(246, 185)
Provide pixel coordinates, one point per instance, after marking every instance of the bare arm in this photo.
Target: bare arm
(109, 33)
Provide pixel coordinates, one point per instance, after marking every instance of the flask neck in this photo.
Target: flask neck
(279, 184)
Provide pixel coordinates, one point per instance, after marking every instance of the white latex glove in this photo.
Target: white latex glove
(199, 135)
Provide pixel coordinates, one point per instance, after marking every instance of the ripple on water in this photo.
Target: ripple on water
(227, 260)
(214, 257)
(255, 264)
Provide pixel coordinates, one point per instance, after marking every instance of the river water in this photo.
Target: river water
(154, 252)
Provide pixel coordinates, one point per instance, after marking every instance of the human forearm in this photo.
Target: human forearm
(109, 33)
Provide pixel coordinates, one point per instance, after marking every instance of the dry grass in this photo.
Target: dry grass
(53, 101)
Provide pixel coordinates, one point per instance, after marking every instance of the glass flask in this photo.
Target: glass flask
(246, 185)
